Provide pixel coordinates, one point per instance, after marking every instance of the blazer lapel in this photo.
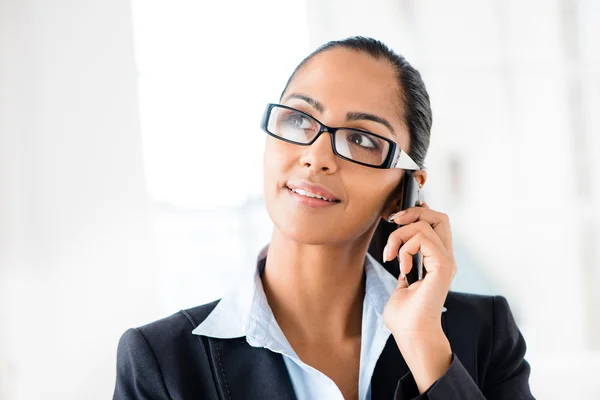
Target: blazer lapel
(250, 373)
(389, 369)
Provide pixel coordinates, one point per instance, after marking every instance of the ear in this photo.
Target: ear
(421, 177)
(394, 201)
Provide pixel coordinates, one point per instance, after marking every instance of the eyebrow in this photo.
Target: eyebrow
(350, 116)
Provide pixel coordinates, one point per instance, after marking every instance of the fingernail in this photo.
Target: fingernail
(384, 253)
(396, 214)
(400, 269)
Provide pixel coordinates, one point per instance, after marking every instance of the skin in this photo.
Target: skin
(313, 277)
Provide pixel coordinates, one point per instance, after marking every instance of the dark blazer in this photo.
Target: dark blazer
(164, 360)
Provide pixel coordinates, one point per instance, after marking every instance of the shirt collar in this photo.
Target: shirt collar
(244, 311)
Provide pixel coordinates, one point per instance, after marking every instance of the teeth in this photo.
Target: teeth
(309, 194)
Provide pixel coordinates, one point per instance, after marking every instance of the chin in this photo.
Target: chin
(312, 227)
(310, 235)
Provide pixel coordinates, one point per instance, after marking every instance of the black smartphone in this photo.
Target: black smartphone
(410, 198)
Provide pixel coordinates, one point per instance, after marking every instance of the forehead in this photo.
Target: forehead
(350, 81)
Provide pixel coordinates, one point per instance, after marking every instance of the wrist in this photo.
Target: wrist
(406, 340)
(427, 356)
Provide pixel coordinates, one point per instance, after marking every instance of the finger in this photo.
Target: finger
(438, 221)
(414, 214)
(402, 282)
(418, 243)
(405, 233)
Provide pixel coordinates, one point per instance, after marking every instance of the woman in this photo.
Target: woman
(320, 317)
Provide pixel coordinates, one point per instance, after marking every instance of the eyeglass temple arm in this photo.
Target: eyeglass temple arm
(403, 161)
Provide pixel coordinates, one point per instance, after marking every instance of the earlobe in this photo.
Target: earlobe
(420, 177)
(396, 199)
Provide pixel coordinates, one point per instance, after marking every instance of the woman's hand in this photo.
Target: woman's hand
(413, 313)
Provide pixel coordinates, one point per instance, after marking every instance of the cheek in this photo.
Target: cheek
(369, 190)
(272, 153)
(277, 159)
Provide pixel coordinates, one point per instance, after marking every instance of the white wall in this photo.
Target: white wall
(75, 271)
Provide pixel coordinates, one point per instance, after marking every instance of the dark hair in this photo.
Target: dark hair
(415, 109)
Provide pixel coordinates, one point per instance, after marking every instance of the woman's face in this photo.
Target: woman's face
(342, 82)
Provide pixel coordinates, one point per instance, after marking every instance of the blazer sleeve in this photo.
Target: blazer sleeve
(507, 376)
(138, 373)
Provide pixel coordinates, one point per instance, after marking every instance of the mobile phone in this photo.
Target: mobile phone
(409, 195)
(410, 198)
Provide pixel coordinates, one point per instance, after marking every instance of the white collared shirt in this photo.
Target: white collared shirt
(245, 312)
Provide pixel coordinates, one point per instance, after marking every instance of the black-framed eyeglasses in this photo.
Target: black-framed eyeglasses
(356, 145)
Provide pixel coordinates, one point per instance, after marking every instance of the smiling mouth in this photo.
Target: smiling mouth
(311, 195)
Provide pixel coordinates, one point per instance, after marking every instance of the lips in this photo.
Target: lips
(312, 190)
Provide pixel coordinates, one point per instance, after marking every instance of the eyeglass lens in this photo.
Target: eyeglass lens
(355, 145)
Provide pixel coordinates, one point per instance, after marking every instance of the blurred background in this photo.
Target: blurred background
(116, 209)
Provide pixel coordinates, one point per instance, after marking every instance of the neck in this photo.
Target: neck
(316, 292)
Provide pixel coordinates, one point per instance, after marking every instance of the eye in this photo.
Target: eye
(298, 120)
(364, 140)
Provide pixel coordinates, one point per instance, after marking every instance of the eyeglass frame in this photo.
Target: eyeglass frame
(396, 158)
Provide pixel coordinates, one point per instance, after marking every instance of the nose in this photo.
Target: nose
(319, 156)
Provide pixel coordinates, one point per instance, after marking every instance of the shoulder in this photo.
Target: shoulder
(482, 332)
(185, 320)
(468, 320)
(164, 357)
(174, 328)
(488, 350)
(169, 335)
(470, 301)
(477, 317)
(486, 318)
(476, 309)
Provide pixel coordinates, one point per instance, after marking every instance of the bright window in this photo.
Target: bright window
(206, 71)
